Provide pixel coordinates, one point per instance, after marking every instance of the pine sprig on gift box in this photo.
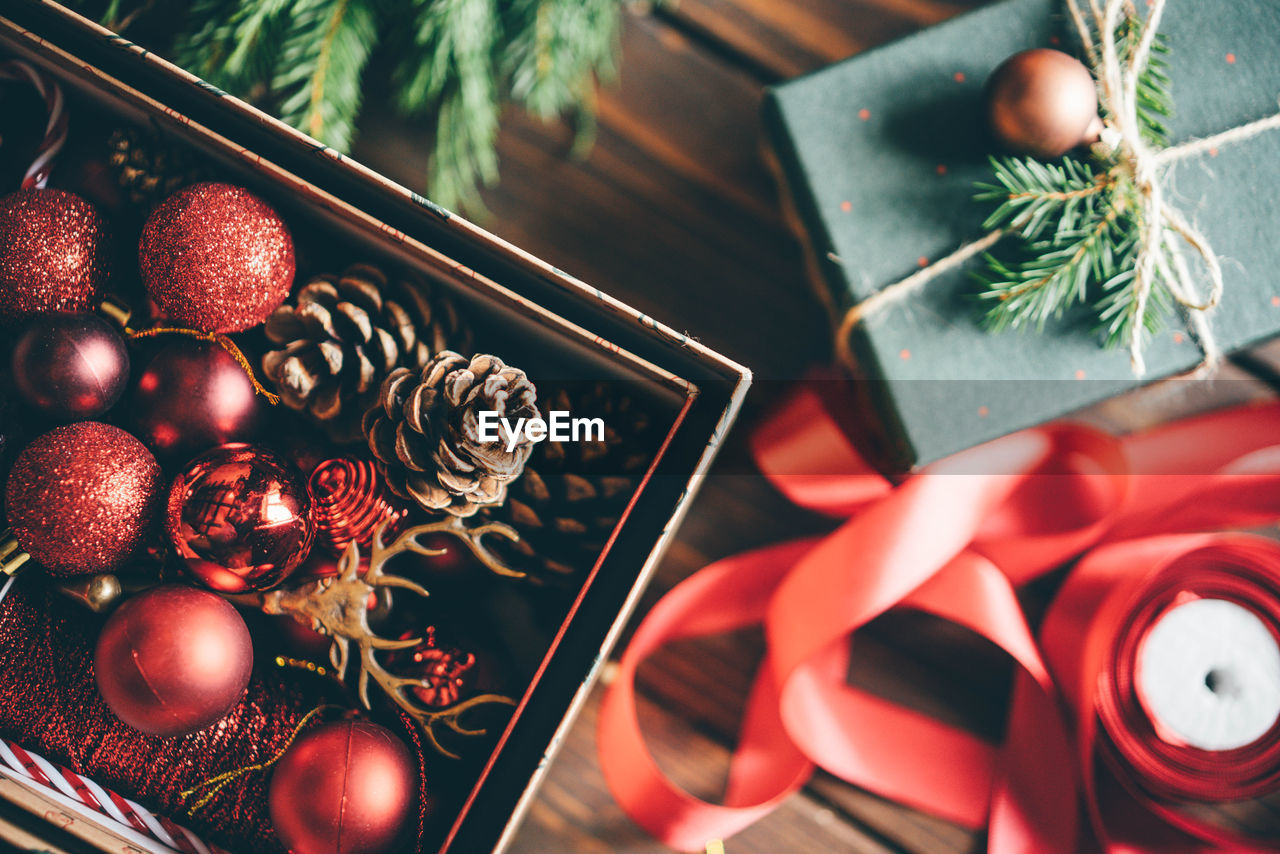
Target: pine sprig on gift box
(458, 61)
(1075, 230)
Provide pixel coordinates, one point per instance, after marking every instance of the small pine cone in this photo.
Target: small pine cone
(342, 335)
(572, 495)
(146, 168)
(424, 431)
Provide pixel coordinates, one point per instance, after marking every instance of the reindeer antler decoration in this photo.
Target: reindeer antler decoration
(338, 607)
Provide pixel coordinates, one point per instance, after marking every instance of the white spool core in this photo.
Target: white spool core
(1209, 673)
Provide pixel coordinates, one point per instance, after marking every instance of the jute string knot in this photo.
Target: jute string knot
(1165, 236)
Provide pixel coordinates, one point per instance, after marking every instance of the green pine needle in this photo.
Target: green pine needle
(456, 61)
(1075, 237)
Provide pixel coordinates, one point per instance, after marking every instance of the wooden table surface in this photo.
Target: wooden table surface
(675, 212)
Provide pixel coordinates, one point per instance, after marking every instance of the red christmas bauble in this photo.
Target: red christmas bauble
(191, 397)
(351, 503)
(447, 674)
(82, 497)
(70, 366)
(241, 519)
(1042, 102)
(344, 787)
(173, 660)
(216, 257)
(53, 254)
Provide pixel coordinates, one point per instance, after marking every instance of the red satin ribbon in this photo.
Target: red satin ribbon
(955, 541)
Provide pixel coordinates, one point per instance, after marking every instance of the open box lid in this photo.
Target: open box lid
(712, 387)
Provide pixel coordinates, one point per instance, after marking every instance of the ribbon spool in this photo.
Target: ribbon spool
(1181, 666)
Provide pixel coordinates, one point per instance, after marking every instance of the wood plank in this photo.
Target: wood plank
(574, 811)
(785, 39)
(672, 210)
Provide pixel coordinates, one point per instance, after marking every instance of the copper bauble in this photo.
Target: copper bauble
(240, 518)
(53, 254)
(1043, 103)
(216, 257)
(81, 498)
(191, 397)
(173, 660)
(70, 366)
(344, 787)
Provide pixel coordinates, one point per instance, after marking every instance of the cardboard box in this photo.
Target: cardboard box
(552, 323)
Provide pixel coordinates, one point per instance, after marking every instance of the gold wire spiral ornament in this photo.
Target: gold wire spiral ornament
(337, 607)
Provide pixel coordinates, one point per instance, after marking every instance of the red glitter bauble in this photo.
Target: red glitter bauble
(70, 366)
(81, 497)
(216, 257)
(241, 519)
(192, 397)
(351, 504)
(53, 254)
(342, 788)
(173, 660)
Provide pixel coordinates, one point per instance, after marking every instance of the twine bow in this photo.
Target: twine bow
(1165, 233)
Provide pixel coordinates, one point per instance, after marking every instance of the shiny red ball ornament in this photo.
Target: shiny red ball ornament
(53, 254)
(81, 498)
(1043, 103)
(241, 519)
(216, 257)
(173, 660)
(447, 674)
(70, 367)
(351, 503)
(191, 397)
(344, 787)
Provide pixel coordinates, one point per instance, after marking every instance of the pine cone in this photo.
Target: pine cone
(424, 431)
(146, 168)
(572, 495)
(343, 334)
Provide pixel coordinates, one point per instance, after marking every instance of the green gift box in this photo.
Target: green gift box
(879, 157)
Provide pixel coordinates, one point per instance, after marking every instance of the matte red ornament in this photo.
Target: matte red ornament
(191, 397)
(173, 660)
(217, 258)
(1042, 102)
(351, 503)
(70, 367)
(53, 254)
(343, 788)
(241, 519)
(82, 497)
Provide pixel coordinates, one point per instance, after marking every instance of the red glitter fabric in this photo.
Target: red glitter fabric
(53, 254)
(49, 703)
(216, 257)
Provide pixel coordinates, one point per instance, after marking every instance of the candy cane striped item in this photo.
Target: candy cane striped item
(55, 131)
(87, 796)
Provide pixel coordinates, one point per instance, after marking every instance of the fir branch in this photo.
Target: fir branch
(1056, 272)
(453, 72)
(457, 61)
(1155, 103)
(321, 65)
(1076, 237)
(559, 48)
